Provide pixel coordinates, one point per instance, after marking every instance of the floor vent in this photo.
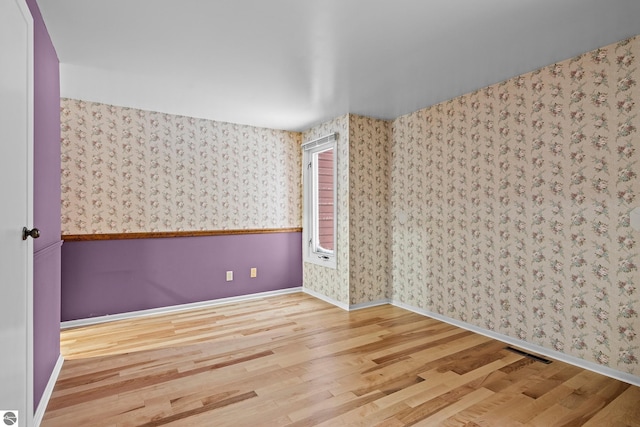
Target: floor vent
(529, 355)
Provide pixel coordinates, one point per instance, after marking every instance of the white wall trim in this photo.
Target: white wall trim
(344, 306)
(326, 299)
(48, 391)
(173, 308)
(362, 305)
(533, 348)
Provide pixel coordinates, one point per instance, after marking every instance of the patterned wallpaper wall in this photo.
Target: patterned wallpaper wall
(129, 170)
(369, 232)
(510, 207)
(334, 283)
(363, 260)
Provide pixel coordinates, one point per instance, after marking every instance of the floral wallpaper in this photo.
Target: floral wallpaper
(510, 207)
(129, 170)
(334, 283)
(369, 232)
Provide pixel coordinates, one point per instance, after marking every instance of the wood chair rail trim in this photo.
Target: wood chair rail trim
(167, 234)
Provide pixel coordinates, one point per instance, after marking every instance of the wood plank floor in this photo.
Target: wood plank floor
(294, 360)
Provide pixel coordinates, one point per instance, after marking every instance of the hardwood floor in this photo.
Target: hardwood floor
(294, 360)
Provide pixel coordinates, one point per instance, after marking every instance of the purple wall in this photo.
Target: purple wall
(46, 209)
(119, 276)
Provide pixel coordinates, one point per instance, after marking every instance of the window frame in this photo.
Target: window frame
(312, 252)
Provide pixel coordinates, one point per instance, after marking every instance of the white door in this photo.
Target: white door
(16, 194)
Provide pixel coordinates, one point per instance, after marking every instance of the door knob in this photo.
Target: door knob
(34, 233)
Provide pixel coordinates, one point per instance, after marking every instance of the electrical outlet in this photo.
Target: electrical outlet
(229, 276)
(254, 272)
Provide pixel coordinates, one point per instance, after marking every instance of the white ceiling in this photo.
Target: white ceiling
(290, 64)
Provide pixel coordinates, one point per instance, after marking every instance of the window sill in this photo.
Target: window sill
(328, 262)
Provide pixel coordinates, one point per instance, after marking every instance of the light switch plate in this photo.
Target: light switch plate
(229, 276)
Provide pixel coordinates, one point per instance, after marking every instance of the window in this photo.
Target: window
(319, 180)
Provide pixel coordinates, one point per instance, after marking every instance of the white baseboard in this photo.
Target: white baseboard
(533, 348)
(48, 390)
(171, 309)
(362, 305)
(326, 298)
(344, 306)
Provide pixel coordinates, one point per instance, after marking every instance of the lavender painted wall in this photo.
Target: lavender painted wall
(46, 316)
(46, 159)
(119, 276)
(46, 209)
